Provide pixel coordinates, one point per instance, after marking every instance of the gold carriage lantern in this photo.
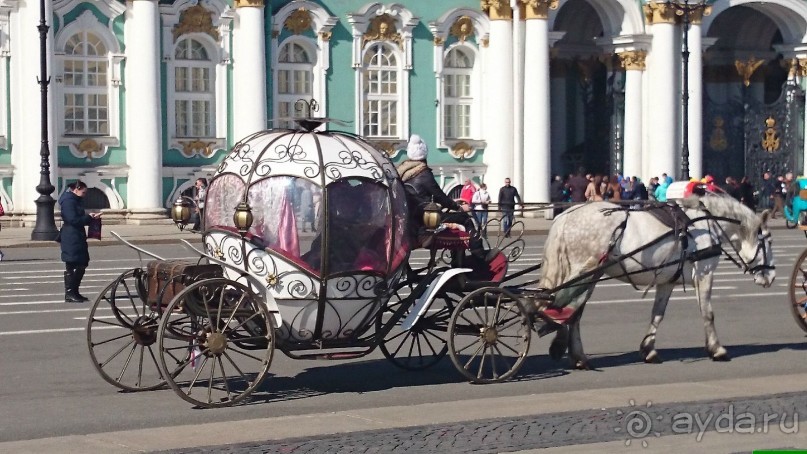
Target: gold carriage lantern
(242, 218)
(431, 215)
(181, 212)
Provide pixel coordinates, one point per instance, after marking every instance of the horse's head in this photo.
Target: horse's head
(756, 250)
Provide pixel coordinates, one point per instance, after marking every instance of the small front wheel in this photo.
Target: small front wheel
(489, 335)
(215, 343)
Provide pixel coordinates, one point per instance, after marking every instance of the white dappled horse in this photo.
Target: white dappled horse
(590, 241)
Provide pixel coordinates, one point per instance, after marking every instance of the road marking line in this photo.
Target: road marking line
(54, 330)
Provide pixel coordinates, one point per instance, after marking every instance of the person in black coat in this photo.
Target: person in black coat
(422, 188)
(73, 239)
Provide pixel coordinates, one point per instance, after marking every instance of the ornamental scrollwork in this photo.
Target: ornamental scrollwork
(195, 19)
(462, 28)
(298, 21)
(383, 28)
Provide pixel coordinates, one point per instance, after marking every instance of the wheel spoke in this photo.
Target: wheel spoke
(210, 381)
(224, 376)
(510, 348)
(482, 361)
(248, 356)
(235, 366)
(104, 322)
(478, 349)
(235, 309)
(117, 353)
(126, 363)
(95, 344)
(198, 372)
(397, 350)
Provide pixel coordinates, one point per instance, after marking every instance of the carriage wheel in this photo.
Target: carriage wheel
(489, 335)
(215, 343)
(120, 342)
(798, 291)
(422, 346)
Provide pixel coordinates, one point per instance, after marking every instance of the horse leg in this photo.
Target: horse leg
(576, 353)
(575, 297)
(648, 346)
(702, 280)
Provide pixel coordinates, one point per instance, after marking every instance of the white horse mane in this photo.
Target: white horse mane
(722, 205)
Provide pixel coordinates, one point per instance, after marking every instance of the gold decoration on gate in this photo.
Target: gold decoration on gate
(746, 68)
(195, 19)
(717, 140)
(382, 28)
(298, 21)
(771, 141)
(463, 28)
(89, 147)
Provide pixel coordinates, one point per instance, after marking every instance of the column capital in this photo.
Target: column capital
(537, 9)
(659, 13)
(497, 9)
(672, 12)
(249, 3)
(632, 60)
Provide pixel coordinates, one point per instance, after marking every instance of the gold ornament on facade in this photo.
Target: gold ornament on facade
(248, 3)
(696, 13)
(746, 68)
(801, 67)
(462, 150)
(771, 141)
(298, 21)
(537, 9)
(382, 28)
(195, 19)
(88, 148)
(438, 41)
(325, 36)
(390, 148)
(586, 68)
(659, 13)
(485, 42)
(633, 60)
(462, 28)
(194, 147)
(717, 139)
(497, 9)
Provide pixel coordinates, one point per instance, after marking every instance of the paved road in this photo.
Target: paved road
(50, 388)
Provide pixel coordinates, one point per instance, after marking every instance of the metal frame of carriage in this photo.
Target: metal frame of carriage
(208, 329)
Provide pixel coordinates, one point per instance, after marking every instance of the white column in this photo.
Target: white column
(518, 98)
(25, 117)
(558, 126)
(662, 71)
(695, 120)
(249, 69)
(143, 117)
(634, 64)
(537, 136)
(499, 100)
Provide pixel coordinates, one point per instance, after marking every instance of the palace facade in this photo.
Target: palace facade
(147, 95)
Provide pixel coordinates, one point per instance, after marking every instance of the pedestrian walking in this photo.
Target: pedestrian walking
(73, 239)
(507, 203)
(766, 191)
(481, 200)
(577, 185)
(747, 193)
(200, 192)
(557, 193)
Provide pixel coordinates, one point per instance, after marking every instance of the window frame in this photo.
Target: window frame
(311, 68)
(191, 96)
(366, 97)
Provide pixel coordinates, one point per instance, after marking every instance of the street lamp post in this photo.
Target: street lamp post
(685, 10)
(45, 227)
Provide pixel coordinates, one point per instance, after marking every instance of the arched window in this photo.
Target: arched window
(194, 93)
(85, 92)
(380, 92)
(457, 94)
(295, 74)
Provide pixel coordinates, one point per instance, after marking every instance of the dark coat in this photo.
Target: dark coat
(578, 184)
(507, 197)
(73, 236)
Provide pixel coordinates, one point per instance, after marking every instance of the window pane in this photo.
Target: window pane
(181, 108)
(283, 82)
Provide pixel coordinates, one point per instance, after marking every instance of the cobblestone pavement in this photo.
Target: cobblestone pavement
(637, 424)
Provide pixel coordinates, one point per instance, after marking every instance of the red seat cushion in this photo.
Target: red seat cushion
(451, 239)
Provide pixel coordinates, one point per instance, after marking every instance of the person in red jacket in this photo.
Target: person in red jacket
(468, 190)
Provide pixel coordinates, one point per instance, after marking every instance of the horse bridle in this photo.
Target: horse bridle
(762, 246)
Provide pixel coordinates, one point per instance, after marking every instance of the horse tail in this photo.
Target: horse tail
(556, 266)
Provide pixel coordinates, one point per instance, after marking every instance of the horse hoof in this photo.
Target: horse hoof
(721, 355)
(582, 365)
(652, 357)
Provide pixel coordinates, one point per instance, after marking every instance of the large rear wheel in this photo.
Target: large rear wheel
(489, 335)
(215, 343)
(121, 332)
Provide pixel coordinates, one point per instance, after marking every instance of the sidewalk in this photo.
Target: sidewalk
(165, 232)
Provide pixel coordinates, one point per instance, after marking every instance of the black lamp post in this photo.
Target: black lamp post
(685, 10)
(45, 228)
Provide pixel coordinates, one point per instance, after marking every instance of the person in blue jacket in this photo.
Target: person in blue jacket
(73, 239)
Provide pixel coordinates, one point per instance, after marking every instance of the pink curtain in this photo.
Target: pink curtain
(287, 229)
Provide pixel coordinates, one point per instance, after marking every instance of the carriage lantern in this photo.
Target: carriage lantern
(431, 215)
(242, 217)
(180, 212)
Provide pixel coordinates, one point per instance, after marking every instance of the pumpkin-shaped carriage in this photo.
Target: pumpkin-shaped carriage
(306, 250)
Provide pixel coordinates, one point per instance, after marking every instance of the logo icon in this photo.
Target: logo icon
(637, 423)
